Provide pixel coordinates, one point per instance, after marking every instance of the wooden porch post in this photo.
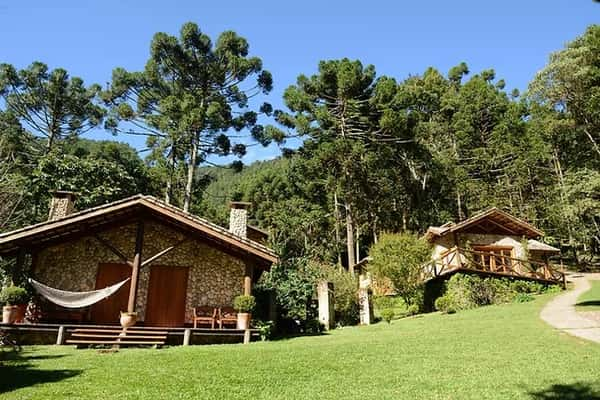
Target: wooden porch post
(457, 245)
(248, 275)
(135, 270)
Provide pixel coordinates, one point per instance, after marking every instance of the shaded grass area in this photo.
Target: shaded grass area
(496, 352)
(590, 300)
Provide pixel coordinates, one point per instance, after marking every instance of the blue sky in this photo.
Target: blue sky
(400, 38)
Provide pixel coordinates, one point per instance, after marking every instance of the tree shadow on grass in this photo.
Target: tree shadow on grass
(16, 371)
(575, 391)
(590, 303)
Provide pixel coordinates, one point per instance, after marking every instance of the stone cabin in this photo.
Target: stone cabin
(176, 261)
(493, 240)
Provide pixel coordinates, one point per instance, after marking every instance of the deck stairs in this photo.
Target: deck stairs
(117, 337)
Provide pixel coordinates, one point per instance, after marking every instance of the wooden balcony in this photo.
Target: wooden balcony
(489, 263)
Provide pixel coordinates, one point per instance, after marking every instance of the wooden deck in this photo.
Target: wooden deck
(86, 334)
(488, 263)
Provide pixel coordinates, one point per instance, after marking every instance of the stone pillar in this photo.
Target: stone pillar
(365, 299)
(326, 304)
(238, 218)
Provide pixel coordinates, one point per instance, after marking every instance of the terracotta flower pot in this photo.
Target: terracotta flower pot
(243, 320)
(128, 319)
(20, 313)
(9, 314)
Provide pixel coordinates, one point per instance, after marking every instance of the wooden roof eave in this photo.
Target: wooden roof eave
(228, 238)
(525, 226)
(44, 232)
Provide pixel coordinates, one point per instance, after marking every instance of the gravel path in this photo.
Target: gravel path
(561, 314)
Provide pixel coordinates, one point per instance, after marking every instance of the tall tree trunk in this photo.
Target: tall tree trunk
(336, 213)
(169, 185)
(357, 244)
(563, 200)
(189, 185)
(375, 236)
(404, 220)
(461, 216)
(350, 238)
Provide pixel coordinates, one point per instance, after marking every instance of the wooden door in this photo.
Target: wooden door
(107, 311)
(166, 296)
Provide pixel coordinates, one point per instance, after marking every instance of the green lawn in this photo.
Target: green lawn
(590, 300)
(498, 352)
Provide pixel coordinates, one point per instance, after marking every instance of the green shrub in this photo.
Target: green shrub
(14, 295)
(313, 326)
(383, 302)
(445, 304)
(294, 282)
(523, 298)
(345, 293)
(399, 258)
(388, 314)
(413, 309)
(468, 291)
(265, 329)
(244, 303)
(552, 289)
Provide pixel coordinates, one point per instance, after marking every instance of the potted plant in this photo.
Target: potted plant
(128, 319)
(244, 305)
(14, 299)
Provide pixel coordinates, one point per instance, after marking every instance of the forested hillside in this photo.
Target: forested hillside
(379, 153)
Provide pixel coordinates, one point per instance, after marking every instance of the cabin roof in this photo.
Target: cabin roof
(491, 221)
(122, 211)
(534, 245)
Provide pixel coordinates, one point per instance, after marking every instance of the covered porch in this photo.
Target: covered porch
(494, 261)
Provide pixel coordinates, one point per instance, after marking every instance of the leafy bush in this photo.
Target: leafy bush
(469, 291)
(244, 303)
(445, 304)
(293, 281)
(523, 298)
(399, 258)
(383, 302)
(265, 329)
(388, 314)
(413, 309)
(14, 295)
(345, 293)
(313, 326)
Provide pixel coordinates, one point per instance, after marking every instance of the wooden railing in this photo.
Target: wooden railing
(458, 258)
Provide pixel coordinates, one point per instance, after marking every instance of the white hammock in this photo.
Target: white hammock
(75, 299)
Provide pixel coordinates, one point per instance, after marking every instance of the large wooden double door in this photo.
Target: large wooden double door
(165, 304)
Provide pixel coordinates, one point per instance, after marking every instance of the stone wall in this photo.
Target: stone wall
(215, 278)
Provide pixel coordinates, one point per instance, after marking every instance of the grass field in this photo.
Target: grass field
(497, 352)
(590, 300)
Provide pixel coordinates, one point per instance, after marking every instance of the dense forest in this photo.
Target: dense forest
(378, 153)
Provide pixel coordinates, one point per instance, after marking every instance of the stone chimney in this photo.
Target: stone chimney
(61, 204)
(238, 218)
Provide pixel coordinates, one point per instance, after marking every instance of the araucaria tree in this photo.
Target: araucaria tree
(190, 97)
(50, 103)
(332, 110)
